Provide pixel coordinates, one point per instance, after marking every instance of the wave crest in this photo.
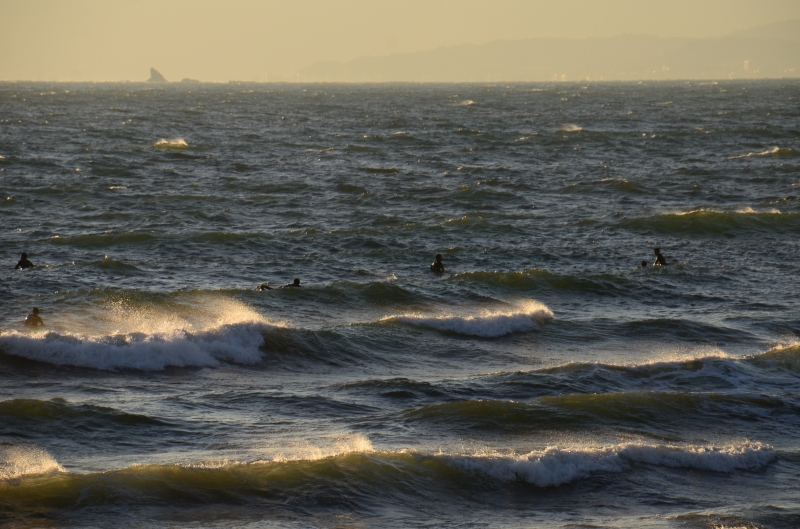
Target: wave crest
(357, 465)
(130, 330)
(176, 143)
(237, 343)
(703, 220)
(528, 316)
(17, 461)
(556, 466)
(786, 152)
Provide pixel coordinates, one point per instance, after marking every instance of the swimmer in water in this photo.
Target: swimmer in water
(660, 260)
(23, 262)
(295, 283)
(263, 286)
(437, 266)
(34, 321)
(644, 264)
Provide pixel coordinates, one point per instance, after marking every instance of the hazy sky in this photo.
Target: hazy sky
(249, 40)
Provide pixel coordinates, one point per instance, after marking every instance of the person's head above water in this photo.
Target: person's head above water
(35, 310)
(23, 255)
(437, 266)
(660, 259)
(644, 264)
(296, 282)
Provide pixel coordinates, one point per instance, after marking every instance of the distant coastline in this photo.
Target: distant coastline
(765, 52)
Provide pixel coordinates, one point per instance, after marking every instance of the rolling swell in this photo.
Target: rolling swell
(711, 221)
(102, 240)
(588, 411)
(536, 278)
(613, 186)
(769, 372)
(375, 292)
(706, 373)
(359, 478)
(126, 239)
(59, 410)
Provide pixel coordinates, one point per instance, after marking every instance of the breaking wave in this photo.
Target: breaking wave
(130, 330)
(785, 152)
(17, 461)
(238, 343)
(555, 466)
(528, 316)
(570, 127)
(176, 143)
(355, 470)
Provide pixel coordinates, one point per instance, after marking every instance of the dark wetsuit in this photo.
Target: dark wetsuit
(34, 321)
(24, 263)
(660, 261)
(437, 266)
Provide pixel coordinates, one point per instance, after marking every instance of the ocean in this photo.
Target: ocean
(543, 380)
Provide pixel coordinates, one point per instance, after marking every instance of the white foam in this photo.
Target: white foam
(344, 444)
(126, 334)
(750, 211)
(466, 103)
(570, 127)
(620, 180)
(17, 461)
(772, 151)
(527, 316)
(176, 143)
(555, 466)
(741, 211)
(239, 343)
(284, 450)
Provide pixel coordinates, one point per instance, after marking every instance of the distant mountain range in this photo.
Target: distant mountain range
(771, 51)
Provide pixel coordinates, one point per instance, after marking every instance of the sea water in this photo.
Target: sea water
(543, 380)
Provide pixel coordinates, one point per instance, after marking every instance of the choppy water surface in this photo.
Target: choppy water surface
(541, 381)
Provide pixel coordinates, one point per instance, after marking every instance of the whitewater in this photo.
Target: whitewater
(544, 379)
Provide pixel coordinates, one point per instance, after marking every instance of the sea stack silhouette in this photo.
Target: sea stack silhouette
(156, 77)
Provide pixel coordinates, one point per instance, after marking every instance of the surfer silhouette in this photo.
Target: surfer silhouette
(23, 262)
(437, 266)
(34, 321)
(660, 260)
(644, 264)
(295, 283)
(263, 286)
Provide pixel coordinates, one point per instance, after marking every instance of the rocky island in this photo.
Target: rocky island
(156, 77)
